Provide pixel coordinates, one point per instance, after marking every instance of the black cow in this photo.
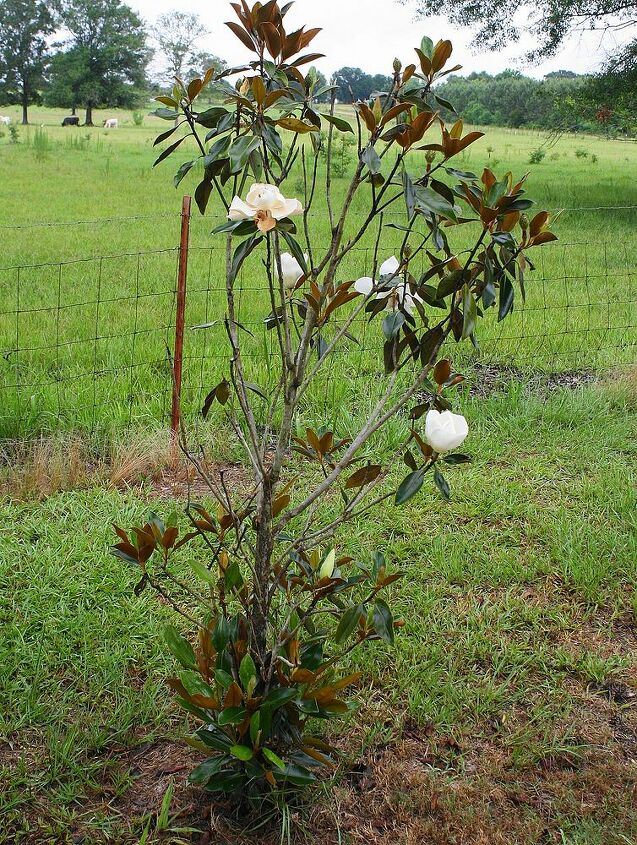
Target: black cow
(71, 121)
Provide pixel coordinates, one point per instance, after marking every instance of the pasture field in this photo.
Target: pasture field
(107, 311)
(505, 714)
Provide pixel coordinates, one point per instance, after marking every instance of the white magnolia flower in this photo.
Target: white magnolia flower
(291, 270)
(397, 295)
(265, 204)
(445, 431)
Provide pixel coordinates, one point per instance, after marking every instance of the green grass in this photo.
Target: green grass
(519, 599)
(108, 311)
(516, 597)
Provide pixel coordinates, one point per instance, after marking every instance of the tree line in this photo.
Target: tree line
(96, 53)
(562, 100)
(91, 53)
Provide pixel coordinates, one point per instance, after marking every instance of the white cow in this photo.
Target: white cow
(111, 123)
(5, 120)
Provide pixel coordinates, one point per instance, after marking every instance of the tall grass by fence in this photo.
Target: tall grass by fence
(88, 343)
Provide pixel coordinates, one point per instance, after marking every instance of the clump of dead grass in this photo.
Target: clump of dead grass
(35, 469)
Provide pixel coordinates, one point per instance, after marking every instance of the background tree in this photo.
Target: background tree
(614, 90)
(511, 99)
(201, 61)
(354, 84)
(24, 25)
(176, 35)
(549, 21)
(66, 75)
(106, 50)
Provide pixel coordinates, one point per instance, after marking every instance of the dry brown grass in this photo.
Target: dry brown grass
(36, 469)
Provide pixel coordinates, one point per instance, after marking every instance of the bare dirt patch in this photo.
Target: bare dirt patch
(485, 380)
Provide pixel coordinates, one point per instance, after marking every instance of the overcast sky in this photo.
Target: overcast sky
(370, 40)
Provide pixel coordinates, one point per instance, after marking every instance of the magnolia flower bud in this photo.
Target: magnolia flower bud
(445, 431)
(291, 270)
(327, 567)
(524, 222)
(430, 156)
(407, 251)
(397, 65)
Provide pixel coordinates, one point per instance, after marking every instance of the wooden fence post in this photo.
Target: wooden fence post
(180, 315)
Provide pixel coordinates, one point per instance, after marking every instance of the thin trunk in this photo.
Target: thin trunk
(73, 107)
(88, 121)
(262, 564)
(25, 105)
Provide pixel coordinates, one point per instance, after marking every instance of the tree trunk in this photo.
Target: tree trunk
(73, 107)
(89, 114)
(25, 107)
(262, 564)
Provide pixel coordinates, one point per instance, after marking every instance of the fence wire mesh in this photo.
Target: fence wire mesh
(85, 344)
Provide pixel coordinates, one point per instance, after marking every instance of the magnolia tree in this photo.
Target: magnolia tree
(276, 608)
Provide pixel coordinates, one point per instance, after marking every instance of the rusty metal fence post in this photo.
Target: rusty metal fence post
(180, 315)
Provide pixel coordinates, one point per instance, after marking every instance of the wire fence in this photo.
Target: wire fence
(87, 344)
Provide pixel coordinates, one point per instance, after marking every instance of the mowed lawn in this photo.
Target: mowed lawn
(506, 711)
(504, 714)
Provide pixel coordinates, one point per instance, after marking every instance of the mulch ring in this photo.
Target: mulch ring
(423, 787)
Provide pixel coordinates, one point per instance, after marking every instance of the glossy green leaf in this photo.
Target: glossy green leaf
(165, 114)
(431, 201)
(240, 150)
(273, 758)
(392, 324)
(456, 458)
(247, 673)
(211, 117)
(241, 752)
(383, 621)
(297, 775)
(341, 124)
(469, 312)
(231, 716)
(505, 303)
(204, 771)
(295, 249)
(241, 253)
(183, 170)
(441, 484)
(349, 622)
(180, 647)
(410, 485)
(202, 572)
(170, 149)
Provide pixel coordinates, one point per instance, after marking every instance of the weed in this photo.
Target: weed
(537, 156)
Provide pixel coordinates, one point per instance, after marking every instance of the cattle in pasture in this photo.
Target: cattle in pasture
(5, 120)
(111, 123)
(73, 120)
